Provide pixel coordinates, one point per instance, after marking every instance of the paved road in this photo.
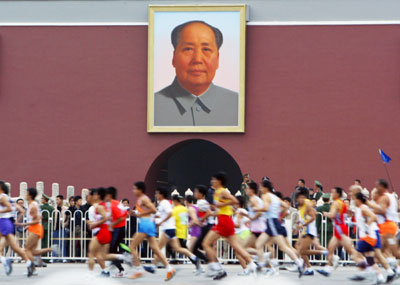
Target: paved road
(75, 274)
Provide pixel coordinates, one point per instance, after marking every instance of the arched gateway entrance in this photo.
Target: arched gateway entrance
(192, 162)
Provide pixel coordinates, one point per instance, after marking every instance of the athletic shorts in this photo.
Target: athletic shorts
(147, 226)
(195, 231)
(170, 233)
(225, 226)
(283, 231)
(6, 227)
(275, 228)
(256, 234)
(369, 244)
(104, 236)
(388, 228)
(339, 230)
(244, 235)
(36, 229)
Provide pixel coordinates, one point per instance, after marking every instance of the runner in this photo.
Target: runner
(369, 238)
(117, 227)
(168, 230)
(275, 231)
(391, 275)
(7, 229)
(242, 223)
(194, 223)
(338, 214)
(223, 201)
(307, 229)
(386, 209)
(146, 230)
(101, 239)
(35, 231)
(206, 220)
(257, 220)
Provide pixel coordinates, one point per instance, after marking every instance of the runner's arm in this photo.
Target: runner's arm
(231, 200)
(333, 211)
(380, 207)
(149, 205)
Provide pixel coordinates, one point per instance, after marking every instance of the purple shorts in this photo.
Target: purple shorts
(195, 231)
(6, 226)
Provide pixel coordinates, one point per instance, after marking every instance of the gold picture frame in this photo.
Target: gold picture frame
(156, 123)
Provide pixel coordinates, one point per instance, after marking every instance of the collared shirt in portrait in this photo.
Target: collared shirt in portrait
(175, 106)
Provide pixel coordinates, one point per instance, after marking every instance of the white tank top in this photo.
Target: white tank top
(258, 225)
(392, 211)
(274, 210)
(243, 222)
(8, 214)
(32, 205)
(363, 228)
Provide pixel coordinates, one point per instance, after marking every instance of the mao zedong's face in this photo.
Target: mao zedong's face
(196, 58)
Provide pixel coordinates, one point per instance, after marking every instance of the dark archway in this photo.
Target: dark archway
(192, 162)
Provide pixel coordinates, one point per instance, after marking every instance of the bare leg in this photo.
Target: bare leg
(154, 246)
(332, 246)
(260, 244)
(177, 247)
(92, 253)
(136, 241)
(31, 244)
(239, 250)
(14, 246)
(280, 242)
(161, 244)
(192, 243)
(208, 242)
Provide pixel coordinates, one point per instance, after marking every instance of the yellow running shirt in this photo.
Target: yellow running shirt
(181, 216)
(225, 210)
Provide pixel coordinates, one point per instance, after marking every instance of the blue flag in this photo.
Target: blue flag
(384, 156)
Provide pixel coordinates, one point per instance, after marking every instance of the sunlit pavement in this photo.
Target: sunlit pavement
(63, 274)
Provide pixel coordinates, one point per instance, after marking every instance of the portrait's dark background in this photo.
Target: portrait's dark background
(320, 101)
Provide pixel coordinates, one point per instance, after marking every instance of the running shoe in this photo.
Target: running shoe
(253, 268)
(335, 261)
(244, 273)
(8, 266)
(56, 250)
(211, 272)
(170, 274)
(150, 268)
(221, 275)
(119, 275)
(197, 263)
(30, 268)
(292, 268)
(301, 268)
(136, 275)
(104, 274)
(308, 272)
(323, 272)
(271, 272)
(128, 259)
(390, 278)
(199, 271)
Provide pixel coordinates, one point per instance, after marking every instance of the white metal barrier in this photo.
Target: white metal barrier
(71, 233)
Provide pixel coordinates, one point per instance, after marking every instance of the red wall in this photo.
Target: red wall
(320, 101)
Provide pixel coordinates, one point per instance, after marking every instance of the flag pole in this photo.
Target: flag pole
(390, 180)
